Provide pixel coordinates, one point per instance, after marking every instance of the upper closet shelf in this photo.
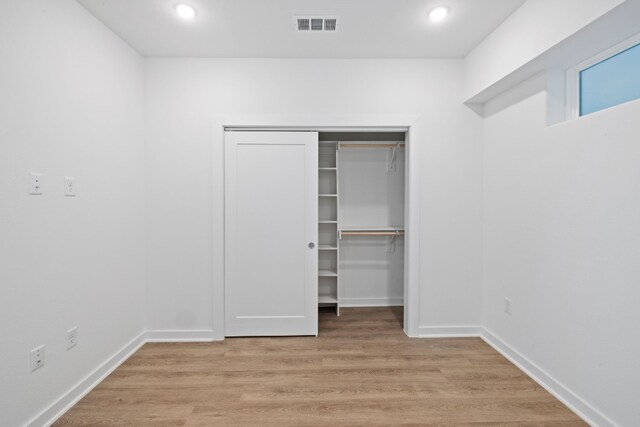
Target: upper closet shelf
(372, 228)
(392, 146)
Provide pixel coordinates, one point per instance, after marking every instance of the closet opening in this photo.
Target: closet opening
(361, 218)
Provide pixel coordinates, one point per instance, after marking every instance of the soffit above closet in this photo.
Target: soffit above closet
(265, 29)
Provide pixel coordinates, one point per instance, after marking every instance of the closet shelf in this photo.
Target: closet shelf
(327, 299)
(327, 248)
(328, 169)
(327, 195)
(327, 273)
(327, 222)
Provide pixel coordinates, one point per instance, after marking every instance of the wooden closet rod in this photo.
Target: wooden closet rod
(373, 233)
(372, 145)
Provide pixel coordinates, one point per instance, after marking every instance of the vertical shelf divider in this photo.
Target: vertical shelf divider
(337, 229)
(328, 251)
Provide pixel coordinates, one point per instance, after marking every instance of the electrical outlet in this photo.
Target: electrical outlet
(37, 358)
(72, 337)
(507, 306)
(35, 183)
(69, 186)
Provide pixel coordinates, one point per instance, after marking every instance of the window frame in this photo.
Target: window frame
(573, 74)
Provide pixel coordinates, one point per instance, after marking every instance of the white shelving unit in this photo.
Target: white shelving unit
(328, 244)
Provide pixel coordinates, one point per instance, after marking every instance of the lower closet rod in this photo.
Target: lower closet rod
(370, 145)
(372, 233)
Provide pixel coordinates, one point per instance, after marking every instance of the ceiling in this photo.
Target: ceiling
(265, 28)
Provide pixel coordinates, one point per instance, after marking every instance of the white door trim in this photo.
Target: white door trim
(410, 124)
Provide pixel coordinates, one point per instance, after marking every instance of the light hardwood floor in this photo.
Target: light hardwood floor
(361, 370)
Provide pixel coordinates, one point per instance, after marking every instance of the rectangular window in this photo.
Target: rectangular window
(610, 82)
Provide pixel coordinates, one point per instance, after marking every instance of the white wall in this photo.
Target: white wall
(371, 195)
(184, 96)
(71, 103)
(560, 227)
(533, 29)
(561, 236)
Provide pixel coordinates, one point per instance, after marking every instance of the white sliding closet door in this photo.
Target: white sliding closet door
(271, 233)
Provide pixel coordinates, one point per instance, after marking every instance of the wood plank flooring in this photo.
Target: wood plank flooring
(361, 370)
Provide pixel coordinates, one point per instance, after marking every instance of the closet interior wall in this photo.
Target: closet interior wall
(361, 219)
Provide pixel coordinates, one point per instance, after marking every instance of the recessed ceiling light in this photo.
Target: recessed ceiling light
(438, 14)
(185, 11)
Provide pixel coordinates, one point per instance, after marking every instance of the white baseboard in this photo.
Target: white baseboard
(465, 331)
(70, 398)
(581, 408)
(181, 335)
(372, 302)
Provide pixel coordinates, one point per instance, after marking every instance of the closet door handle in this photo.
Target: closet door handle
(311, 245)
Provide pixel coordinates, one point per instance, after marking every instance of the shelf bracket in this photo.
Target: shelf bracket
(391, 242)
(391, 166)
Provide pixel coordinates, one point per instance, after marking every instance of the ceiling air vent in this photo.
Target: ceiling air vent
(303, 24)
(316, 23)
(330, 24)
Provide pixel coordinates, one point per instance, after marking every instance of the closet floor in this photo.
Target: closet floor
(361, 370)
